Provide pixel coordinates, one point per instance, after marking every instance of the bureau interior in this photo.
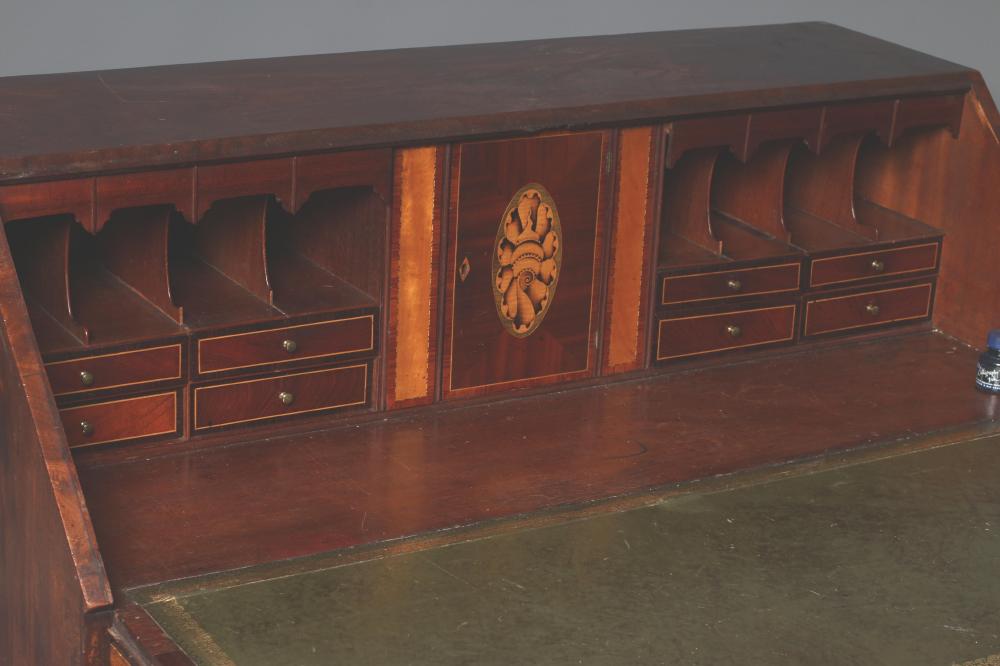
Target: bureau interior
(149, 272)
(773, 185)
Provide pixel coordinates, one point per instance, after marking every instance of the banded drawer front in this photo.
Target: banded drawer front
(275, 397)
(704, 334)
(317, 340)
(731, 284)
(118, 420)
(119, 370)
(878, 307)
(867, 265)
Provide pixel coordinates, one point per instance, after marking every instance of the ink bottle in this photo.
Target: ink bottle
(988, 373)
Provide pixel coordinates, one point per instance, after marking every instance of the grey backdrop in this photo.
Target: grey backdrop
(59, 35)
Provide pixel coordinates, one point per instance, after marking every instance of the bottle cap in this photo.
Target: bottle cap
(993, 339)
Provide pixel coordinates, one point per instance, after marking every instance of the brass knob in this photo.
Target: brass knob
(734, 331)
(878, 266)
(86, 378)
(873, 309)
(286, 398)
(290, 346)
(734, 284)
(86, 428)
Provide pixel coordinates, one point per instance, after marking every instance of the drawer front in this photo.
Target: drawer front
(118, 420)
(867, 309)
(286, 345)
(275, 397)
(867, 265)
(704, 334)
(120, 370)
(730, 284)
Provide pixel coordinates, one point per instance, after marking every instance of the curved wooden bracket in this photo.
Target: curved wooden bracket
(231, 236)
(371, 168)
(133, 246)
(687, 199)
(824, 186)
(754, 192)
(41, 248)
(146, 188)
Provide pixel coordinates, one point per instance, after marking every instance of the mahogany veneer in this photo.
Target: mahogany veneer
(282, 306)
(343, 486)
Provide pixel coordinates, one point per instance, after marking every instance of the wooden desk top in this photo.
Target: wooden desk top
(64, 124)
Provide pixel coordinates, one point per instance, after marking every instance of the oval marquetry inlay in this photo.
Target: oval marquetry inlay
(527, 260)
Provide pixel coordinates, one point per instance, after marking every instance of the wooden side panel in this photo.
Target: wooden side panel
(628, 307)
(51, 573)
(411, 351)
(952, 185)
(142, 641)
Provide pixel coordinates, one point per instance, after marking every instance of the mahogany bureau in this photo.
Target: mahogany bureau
(266, 309)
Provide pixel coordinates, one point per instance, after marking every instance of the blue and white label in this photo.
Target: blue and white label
(988, 379)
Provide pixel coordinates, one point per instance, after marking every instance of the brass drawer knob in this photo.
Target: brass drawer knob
(86, 378)
(873, 309)
(286, 398)
(86, 428)
(290, 346)
(878, 266)
(734, 331)
(734, 284)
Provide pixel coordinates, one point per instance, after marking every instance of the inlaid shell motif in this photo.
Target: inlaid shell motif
(527, 260)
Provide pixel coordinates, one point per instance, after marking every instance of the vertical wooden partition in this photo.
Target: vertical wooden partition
(754, 192)
(415, 247)
(231, 237)
(823, 186)
(134, 246)
(631, 249)
(42, 248)
(52, 579)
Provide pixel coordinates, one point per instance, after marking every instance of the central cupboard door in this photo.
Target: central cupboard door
(524, 273)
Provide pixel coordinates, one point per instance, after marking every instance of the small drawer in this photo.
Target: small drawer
(867, 309)
(705, 334)
(731, 284)
(118, 420)
(286, 345)
(275, 397)
(119, 370)
(868, 265)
